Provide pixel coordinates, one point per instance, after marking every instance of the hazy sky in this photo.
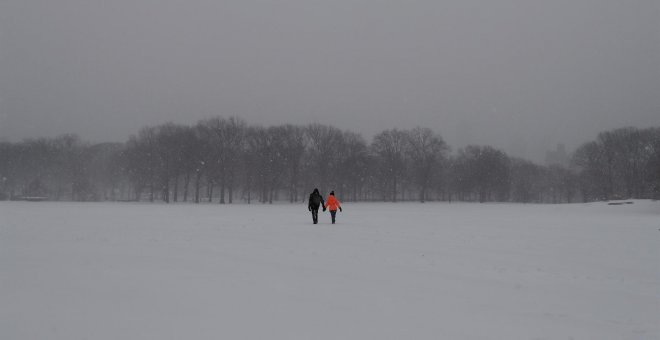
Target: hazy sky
(522, 75)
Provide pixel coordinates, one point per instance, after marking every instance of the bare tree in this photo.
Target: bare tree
(264, 147)
(484, 172)
(252, 173)
(141, 162)
(188, 157)
(228, 144)
(355, 165)
(526, 181)
(235, 146)
(105, 170)
(206, 162)
(293, 151)
(287, 159)
(427, 153)
(389, 148)
(589, 160)
(8, 166)
(653, 166)
(323, 162)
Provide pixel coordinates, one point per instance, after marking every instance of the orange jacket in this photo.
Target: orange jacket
(332, 203)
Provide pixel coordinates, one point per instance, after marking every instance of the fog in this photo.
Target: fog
(518, 75)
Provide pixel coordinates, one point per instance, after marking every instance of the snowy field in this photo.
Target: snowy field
(385, 271)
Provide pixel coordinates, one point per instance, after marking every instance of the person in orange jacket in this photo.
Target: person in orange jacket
(332, 204)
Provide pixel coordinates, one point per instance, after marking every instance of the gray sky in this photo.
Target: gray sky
(521, 75)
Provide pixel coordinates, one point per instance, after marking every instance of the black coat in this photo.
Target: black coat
(315, 200)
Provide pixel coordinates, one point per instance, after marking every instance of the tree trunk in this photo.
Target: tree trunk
(186, 183)
(230, 186)
(176, 188)
(394, 189)
(223, 180)
(166, 191)
(210, 190)
(262, 195)
(198, 184)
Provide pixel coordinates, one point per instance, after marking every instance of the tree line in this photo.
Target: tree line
(225, 160)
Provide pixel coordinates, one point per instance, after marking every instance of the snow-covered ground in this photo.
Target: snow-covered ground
(385, 271)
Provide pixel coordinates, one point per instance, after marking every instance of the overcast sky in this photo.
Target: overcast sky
(521, 75)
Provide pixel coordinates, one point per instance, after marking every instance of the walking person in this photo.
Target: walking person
(332, 204)
(315, 200)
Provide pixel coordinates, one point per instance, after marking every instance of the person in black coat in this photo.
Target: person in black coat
(315, 200)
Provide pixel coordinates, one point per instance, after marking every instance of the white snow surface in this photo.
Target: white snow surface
(384, 271)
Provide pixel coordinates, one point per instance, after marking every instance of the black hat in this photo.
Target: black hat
(332, 193)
